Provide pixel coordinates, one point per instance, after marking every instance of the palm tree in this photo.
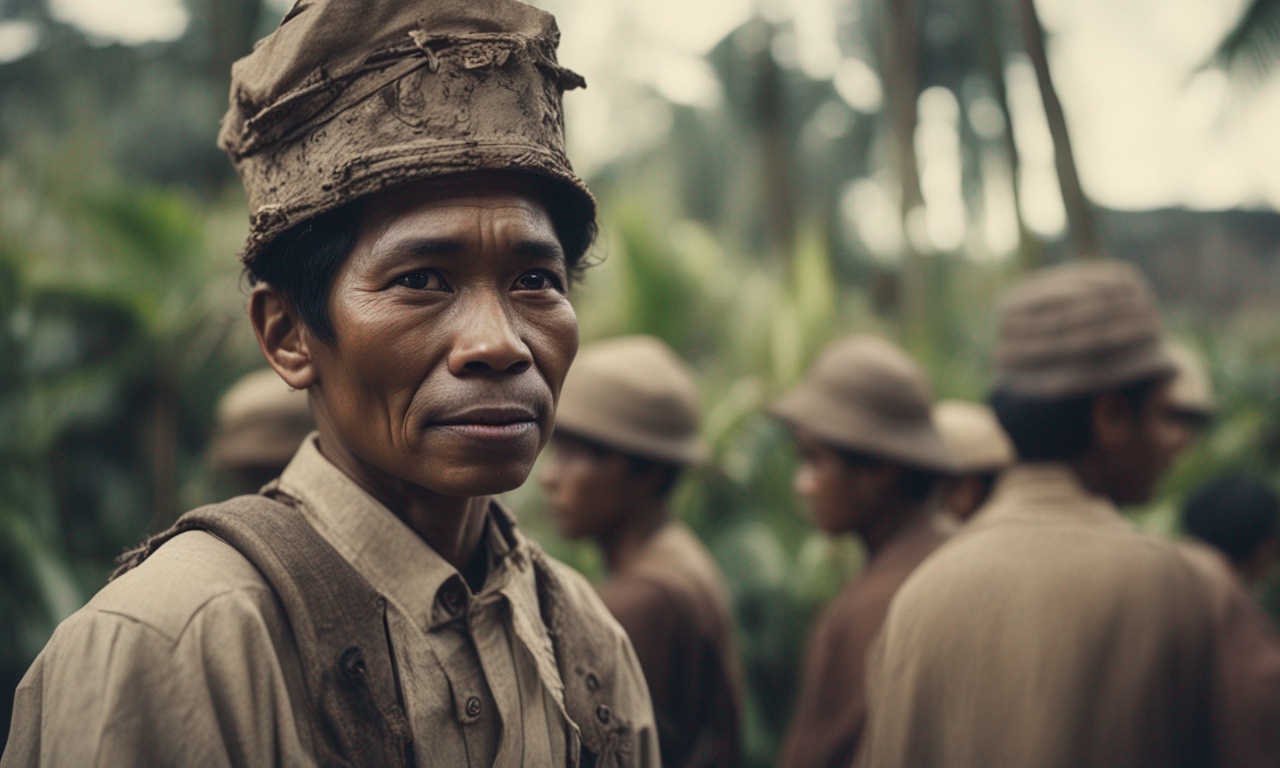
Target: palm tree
(1252, 48)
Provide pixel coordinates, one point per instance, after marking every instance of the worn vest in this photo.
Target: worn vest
(338, 623)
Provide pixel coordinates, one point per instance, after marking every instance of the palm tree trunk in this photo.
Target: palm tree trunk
(1081, 223)
(902, 87)
(993, 61)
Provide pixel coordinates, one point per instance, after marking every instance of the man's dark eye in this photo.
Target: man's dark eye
(537, 280)
(423, 281)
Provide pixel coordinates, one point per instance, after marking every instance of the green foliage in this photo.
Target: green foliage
(112, 354)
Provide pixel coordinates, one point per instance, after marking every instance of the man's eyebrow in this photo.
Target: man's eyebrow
(539, 250)
(425, 246)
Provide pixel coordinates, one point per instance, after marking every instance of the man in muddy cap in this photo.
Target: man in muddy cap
(871, 458)
(981, 449)
(414, 225)
(627, 426)
(1049, 631)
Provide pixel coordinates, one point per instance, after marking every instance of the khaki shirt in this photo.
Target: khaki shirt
(1051, 633)
(831, 711)
(187, 660)
(672, 601)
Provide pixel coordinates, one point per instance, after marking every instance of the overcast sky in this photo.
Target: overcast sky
(1148, 130)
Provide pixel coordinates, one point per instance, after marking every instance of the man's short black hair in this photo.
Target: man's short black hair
(1235, 513)
(302, 262)
(1058, 429)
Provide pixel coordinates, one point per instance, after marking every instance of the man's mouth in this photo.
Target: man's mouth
(500, 422)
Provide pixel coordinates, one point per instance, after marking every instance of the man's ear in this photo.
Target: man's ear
(282, 336)
(1112, 420)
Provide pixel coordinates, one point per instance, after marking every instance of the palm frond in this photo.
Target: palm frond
(1251, 50)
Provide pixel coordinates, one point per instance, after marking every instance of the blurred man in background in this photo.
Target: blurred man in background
(982, 451)
(626, 427)
(1050, 632)
(1239, 517)
(261, 421)
(414, 224)
(871, 458)
(1191, 393)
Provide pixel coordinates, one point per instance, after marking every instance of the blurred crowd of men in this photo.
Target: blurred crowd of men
(1049, 632)
(415, 225)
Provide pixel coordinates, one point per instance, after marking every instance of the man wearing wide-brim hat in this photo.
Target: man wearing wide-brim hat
(626, 429)
(1049, 631)
(870, 460)
(981, 449)
(259, 424)
(414, 225)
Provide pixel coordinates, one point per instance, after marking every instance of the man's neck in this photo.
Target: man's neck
(452, 526)
(1090, 472)
(900, 518)
(622, 544)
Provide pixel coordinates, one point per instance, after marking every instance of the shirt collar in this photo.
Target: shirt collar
(1046, 491)
(389, 554)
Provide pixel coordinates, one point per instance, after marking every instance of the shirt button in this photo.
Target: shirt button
(603, 714)
(452, 598)
(474, 706)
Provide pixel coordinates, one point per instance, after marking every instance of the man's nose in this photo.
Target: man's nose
(489, 342)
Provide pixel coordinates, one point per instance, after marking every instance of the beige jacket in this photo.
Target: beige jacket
(1051, 633)
(673, 603)
(187, 661)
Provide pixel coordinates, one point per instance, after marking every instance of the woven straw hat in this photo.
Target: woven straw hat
(351, 97)
(634, 395)
(1079, 329)
(260, 423)
(864, 394)
(974, 436)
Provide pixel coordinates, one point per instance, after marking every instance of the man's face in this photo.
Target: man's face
(839, 495)
(454, 334)
(590, 490)
(1144, 448)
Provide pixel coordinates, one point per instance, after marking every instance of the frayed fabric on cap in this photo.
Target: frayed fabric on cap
(350, 97)
(633, 394)
(866, 395)
(1079, 329)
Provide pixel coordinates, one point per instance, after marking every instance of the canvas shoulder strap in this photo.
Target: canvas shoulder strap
(337, 620)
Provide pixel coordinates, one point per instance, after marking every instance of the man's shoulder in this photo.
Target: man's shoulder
(185, 576)
(1115, 563)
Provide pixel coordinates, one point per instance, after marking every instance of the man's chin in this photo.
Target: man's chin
(480, 479)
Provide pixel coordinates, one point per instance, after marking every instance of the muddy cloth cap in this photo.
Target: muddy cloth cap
(974, 436)
(634, 395)
(866, 395)
(260, 423)
(1192, 389)
(1079, 329)
(350, 97)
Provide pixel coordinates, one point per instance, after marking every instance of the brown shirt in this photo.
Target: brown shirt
(829, 716)
(186, 661)
(672, 601)
(1051, 633)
